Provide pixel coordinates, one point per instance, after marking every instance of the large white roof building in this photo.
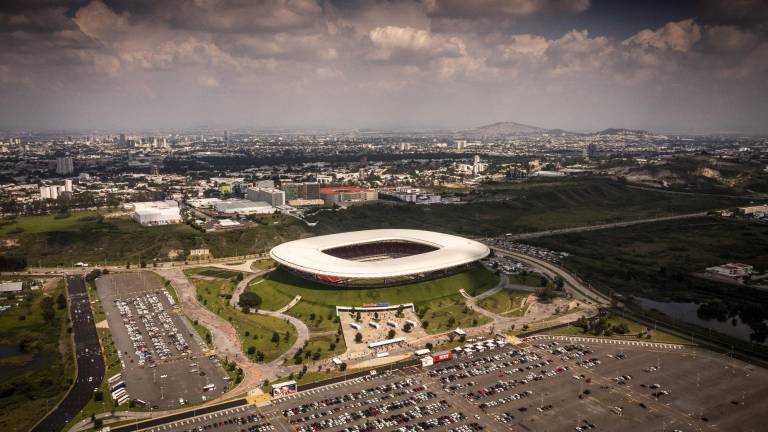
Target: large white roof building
(378, 257)
(156, 212)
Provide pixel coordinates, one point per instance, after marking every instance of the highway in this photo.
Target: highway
(579, 288)
(586, 228)
(90, 363)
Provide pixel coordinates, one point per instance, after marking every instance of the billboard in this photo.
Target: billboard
(284, 389)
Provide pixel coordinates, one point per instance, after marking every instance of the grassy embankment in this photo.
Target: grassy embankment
(506, 303)
(267, 335)
(525, 207)
(634, 329)
(436, 301)
(37, 365)
(90, 237)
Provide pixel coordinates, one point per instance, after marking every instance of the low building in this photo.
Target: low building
(243, 207)
(734, 270)
(11, 287)
(755, 211)
(299, 202)
(155, 213)
(199, 253)
(347, 194)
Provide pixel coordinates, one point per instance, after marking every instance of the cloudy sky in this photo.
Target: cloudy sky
(676, 65)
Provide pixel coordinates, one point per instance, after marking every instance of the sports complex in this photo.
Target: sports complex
(378, 258)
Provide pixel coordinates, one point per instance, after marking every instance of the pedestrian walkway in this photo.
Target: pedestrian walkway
(608, 341)
(290, 304)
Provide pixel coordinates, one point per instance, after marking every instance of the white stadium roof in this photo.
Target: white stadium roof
(307, 255)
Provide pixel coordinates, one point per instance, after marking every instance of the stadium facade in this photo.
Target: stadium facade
(376, 258)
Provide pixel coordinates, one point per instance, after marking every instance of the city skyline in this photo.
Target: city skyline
(579, 65)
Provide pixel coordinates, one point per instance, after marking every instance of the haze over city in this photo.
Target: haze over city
(383, 215)
(580, 65)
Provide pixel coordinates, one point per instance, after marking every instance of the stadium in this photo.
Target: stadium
(377, 258)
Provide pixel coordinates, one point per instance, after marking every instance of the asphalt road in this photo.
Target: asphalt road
(579, 229)
(90, 364)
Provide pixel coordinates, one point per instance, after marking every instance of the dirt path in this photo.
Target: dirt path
(225, 339)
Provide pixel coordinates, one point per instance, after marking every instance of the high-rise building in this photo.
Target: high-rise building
(311, 191)
(45, 192)
(226, 137)
(274, 197)
(121, 142)
(64, 165)
(304, 191)
(68, 185)
(590, 151)
(460, 144)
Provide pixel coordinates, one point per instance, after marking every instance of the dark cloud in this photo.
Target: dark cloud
(375, 62)
(501, 9)
(739, 12)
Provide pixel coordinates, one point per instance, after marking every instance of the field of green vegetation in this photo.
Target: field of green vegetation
(36, 363)
(446, 313)
(286, 285)
(323, 346)
(656, 261)
(524, 207)
(263, 338)
(632, 330)
(437, 301)
(506, 302)
(90, 237)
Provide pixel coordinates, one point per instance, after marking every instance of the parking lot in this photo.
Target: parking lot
(163, 362)
(534, 251)
(542, 385)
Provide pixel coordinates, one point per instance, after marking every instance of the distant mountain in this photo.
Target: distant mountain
(506, 128)
(621, 131)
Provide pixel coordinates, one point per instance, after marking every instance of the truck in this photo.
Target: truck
(442, 356)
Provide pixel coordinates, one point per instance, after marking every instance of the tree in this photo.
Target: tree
(559, 282)
(208, 338)
(546, 293)
(275, 337)
(61, 301)
(46, 308)
(251, 350)
(358, 337)
(408, 327)
(622, 328)
(391, 334)
(249, 300)
(239, 277)
(424, 324)
(98, 395)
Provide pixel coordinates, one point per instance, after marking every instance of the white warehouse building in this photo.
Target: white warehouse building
(243, 207)
(154, 213)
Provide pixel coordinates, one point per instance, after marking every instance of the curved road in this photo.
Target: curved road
(90, 363)
(579, 288)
